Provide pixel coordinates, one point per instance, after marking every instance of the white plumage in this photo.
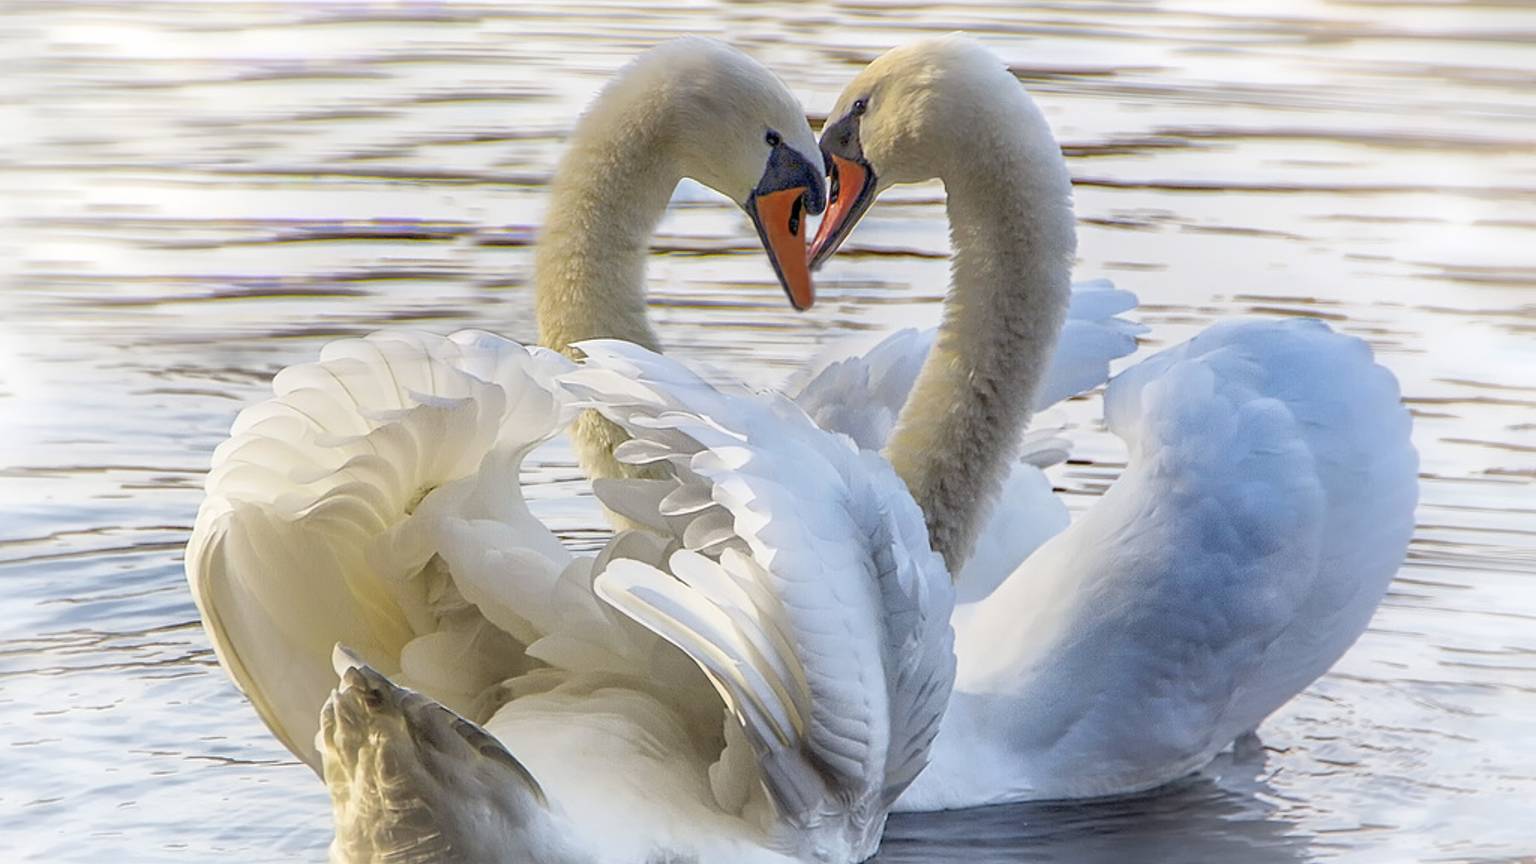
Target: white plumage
(731, 686)
(1265, 508)
(300, 542)
(805, 587)
(859, 386)
(1266, 505)
(788, 566)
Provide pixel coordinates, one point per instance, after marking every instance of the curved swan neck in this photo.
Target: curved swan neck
(610, 190)
(1012, 232)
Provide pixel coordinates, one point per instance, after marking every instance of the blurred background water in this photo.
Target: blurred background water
(197, 194)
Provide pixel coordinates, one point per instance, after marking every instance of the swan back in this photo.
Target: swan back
(1346, 412)
(1266, 505)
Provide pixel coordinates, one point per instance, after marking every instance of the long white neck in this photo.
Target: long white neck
(609, 192)
(1013, 238)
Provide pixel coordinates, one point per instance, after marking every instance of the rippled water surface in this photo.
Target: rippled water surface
(203, 193)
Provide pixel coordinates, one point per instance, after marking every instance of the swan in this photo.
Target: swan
(688, 107)
(1266, 504)
(744, 681)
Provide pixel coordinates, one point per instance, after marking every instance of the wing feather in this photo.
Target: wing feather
(1266, 505)
(374, 501)
(805, 588)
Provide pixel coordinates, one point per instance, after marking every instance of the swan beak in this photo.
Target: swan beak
(780, 220)
(853, 190)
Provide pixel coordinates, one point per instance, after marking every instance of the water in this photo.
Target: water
(201, 194)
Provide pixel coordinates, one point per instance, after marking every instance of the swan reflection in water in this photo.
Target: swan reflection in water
(1221, 815)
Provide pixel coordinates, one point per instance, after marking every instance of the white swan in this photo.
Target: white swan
(690, 107)
(783, 684)
(1267, 502)
(750, 681)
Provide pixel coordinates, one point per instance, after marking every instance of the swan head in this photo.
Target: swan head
(908, 117)
(733, 126)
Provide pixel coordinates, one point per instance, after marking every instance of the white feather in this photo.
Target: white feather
(824, 625)
(1266, 506)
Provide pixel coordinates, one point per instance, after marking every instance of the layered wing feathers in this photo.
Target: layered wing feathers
(803, 585)
(374, 501)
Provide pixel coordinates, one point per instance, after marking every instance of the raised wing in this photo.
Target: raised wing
(374, 501)
(802, 584)
(1267, 503)
(1347, 412)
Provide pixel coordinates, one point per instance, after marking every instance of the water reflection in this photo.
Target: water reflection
(1219, 817)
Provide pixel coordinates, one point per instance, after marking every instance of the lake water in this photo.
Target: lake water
(199, 194)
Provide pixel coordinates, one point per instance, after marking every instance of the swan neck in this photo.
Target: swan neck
(609, 192)
(1013, 239)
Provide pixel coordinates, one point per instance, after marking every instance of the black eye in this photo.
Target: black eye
(773, 138)
(859, 106)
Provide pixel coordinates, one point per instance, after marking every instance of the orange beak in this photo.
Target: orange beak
(780, 220)
(853, 190)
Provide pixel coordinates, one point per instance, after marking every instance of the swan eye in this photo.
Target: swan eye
(773, 138)
(860, 106)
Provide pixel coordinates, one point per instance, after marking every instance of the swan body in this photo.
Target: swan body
(1266, 504)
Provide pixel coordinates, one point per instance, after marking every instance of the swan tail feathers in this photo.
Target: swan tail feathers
(411, 780)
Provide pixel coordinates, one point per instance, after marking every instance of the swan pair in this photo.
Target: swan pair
(757, 669)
